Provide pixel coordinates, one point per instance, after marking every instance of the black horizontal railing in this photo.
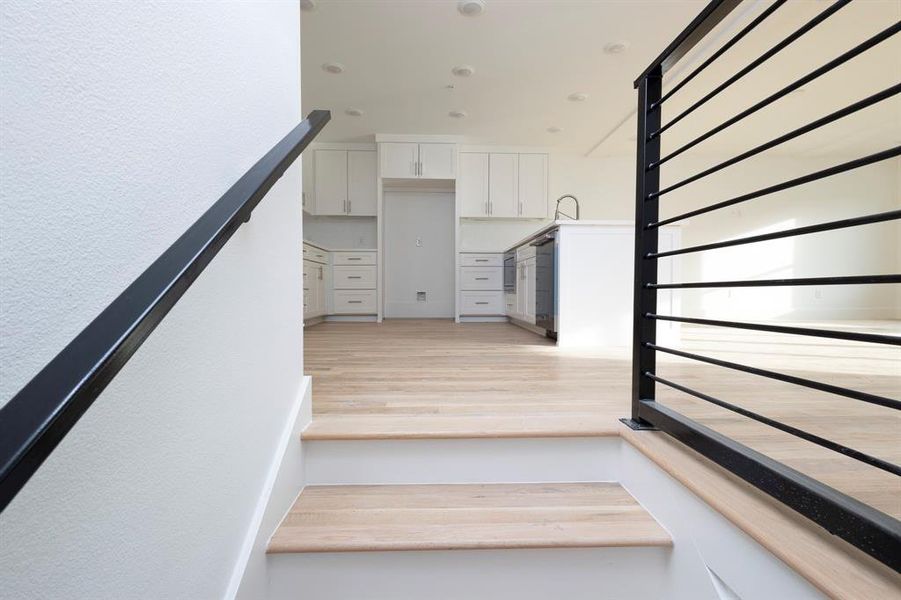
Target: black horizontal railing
(37, 418)
(871, 530)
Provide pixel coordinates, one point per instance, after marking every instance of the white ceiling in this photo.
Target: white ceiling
(529, 55)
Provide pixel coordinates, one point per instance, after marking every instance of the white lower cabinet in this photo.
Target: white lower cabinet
(521, 304)
(354, 283)
(481, 284)
(313, 289)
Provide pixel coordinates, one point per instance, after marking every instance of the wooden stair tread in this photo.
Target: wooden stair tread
(353, 518)
(459, 426)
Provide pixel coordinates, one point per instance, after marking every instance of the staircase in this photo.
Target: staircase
(396, 517)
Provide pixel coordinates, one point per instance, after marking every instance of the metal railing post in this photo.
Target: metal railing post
(647, 184)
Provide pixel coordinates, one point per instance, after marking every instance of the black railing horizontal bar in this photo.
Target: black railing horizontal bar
(788, 40)
(808, 383)
(796, 231)
(819, 72)
(800, 433)
(853, 336)
(809, 178)
(34, 421)
(812, 126)
(714, 12)
(720, 51)
(873, 531)
(844, 280)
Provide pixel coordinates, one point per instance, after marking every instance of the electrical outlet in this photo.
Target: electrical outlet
(420, 296)
(419, 242)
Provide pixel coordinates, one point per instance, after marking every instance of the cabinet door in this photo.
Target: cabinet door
(521, 289)
(437, 161)
(309, 293)
(532, 186)
(472, 184)
(503, 183)
(331, 182)
(361, 183)
(398, 160)
(529, 309)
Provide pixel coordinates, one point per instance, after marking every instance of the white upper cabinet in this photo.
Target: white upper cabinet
(408, 160)
(399, 159)
(472, 184)
(345, 183)
(437, 161)
(362, 175)
(331, 182)
(532, 186)
(503, 185)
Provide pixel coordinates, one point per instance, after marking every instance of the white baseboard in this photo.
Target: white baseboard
(351, 318)
(284, 481)
(473, 319)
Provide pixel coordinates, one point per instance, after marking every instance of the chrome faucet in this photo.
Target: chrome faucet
(557, 212)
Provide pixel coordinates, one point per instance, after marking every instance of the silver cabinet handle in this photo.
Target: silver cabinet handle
(487, 209)
(320, 272)
(354, 258)
(481, 260)
(354, 277)
(520, 209)
(355, 302)
(481, 279)
(481, 303)
(349, 205)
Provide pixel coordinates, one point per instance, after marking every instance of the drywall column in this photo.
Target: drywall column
(121, 124)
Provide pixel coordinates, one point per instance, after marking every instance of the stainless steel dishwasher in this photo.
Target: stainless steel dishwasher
(546, 283)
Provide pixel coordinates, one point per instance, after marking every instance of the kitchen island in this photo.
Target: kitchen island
(572, 280)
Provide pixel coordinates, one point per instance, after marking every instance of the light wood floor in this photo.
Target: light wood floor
(465, 517)
(432, 378)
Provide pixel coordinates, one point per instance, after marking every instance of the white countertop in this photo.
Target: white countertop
(327, 249)
(571, 223)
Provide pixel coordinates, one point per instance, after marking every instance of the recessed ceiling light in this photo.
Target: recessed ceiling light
(457, 114)
(554, 129)
(463, 71)
(471, 8)
(353, 112)
(449, 86)
(616, 47)
(333, 68)
(577, 97)
(308, 5)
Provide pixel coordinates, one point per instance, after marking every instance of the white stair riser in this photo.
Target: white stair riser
(519, 460)
(595, 573)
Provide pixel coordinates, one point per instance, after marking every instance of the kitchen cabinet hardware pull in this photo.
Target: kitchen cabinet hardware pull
(354, 277)
(481, 303)
(354, 258)
(355, 302)
(481, 260)
(481, 279)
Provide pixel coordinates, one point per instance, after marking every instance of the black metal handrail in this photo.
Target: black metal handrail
(37, 418)
(869, 529)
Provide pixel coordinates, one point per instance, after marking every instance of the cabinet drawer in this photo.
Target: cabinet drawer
(350, 302)
(315, 254)
(353, 278)
(481, 303)
(353, 258)
(482, 278)
(481, 260)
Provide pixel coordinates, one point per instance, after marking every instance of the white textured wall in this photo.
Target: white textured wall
(121, 123)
